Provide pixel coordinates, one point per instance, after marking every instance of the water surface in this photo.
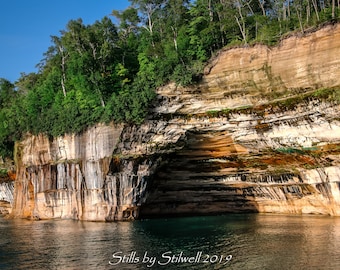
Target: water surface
(250, 241)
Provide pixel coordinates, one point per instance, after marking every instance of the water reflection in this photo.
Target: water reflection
(255, 241)
(292, 242)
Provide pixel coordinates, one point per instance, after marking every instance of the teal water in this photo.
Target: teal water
(237, 241)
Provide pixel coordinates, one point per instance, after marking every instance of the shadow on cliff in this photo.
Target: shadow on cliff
(192, 182)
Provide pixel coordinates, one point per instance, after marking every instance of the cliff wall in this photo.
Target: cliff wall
(260, 74)
(6, 196)
(7, 177)
(260, 133)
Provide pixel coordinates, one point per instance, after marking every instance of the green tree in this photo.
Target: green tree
(7, 92)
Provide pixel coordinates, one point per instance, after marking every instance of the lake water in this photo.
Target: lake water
(237, 241)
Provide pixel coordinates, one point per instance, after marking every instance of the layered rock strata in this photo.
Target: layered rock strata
(260, 133)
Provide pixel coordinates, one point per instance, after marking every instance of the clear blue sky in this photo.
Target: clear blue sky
(26, 27)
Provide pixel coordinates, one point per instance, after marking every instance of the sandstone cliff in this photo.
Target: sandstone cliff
(260, 133)
(6, 196)
(7, 177)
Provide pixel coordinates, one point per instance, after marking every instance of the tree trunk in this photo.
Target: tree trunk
(150, 25)
(288, 9)
(63, 76)
(308, 12)
(316, 9)
(242, 29)
(174, 37)
(262, 7)
(221, 28)
(300, 19)
(211, 14)
(250, 9)
(284, 13)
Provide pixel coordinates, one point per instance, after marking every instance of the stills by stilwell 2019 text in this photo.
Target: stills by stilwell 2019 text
(167, 258)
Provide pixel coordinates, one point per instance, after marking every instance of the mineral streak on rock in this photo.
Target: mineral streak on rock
(260, 133)
(6, 196)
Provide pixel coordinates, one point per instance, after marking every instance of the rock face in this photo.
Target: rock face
(6, 196)
(260, 133)
(7, 177)
(69, 177)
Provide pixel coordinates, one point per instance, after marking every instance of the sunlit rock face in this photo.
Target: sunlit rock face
(260, 133)
(259, 74)
(6, 196)
(71, 177)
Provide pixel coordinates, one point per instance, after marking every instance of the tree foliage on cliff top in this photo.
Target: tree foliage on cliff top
(105, 72)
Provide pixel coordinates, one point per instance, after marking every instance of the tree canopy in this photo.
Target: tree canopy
(106, 72)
